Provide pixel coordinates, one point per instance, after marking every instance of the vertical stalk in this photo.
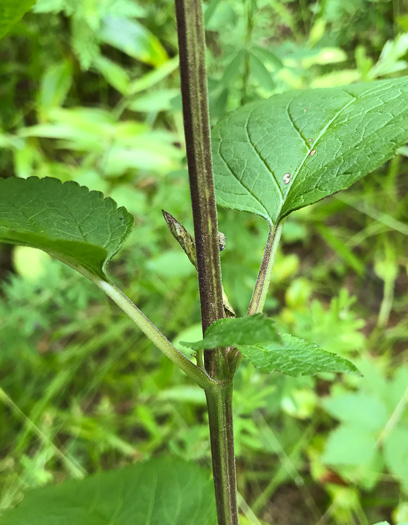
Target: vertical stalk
(191, 36)
(192, 50)
(219, 403)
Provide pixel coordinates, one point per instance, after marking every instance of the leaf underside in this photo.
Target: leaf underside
(163, 491)
(278, 155)
(257, 339)
(11, 11)
(77, 226)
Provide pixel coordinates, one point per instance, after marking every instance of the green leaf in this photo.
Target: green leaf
(132, 38)
(114, 74)
(257, 339)
(295, 356)
(238, 331)
(233, 69)
(159, 100)
(77, 226)
(164, 491)
(261, 73)
(278, 155)
(55, 85)
(364, 411)
(11, 11)
(349, 445)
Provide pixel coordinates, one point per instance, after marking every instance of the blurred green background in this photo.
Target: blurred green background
(89, 91)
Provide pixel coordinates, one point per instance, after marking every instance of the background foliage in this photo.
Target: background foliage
(89, 92)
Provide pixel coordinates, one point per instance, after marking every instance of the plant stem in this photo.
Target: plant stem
(192, 50)
(265, 271)
(197, 132)
(219, 404)
(154, 334)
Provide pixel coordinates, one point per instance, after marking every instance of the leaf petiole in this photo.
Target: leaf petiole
(265, 271)
(154, 334)
(262, 282)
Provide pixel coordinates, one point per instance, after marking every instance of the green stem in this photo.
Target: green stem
(192, 49)
(265, 271)
(154, 334)
(219, 404)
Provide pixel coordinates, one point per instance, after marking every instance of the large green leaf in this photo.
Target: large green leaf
(257, 339)
(164, 491)
(275, 156)
(77, 226)
(11, 11)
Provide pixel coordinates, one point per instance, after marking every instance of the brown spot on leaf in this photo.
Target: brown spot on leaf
(312, 153)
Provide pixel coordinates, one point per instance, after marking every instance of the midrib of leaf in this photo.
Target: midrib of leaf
(351, 148)
(309, 147)
(376, 90)
(359, 131)
(320, 135)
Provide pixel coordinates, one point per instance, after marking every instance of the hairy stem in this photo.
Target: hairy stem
(197, 132)
(219, 404)
(191, 36)
(154, 334)
(265, 271)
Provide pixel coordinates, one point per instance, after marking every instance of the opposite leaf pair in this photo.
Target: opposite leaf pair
(257, 339)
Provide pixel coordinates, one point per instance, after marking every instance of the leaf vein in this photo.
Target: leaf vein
(295, 127)
(261, 158)
(322, 132)
(240, 181)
